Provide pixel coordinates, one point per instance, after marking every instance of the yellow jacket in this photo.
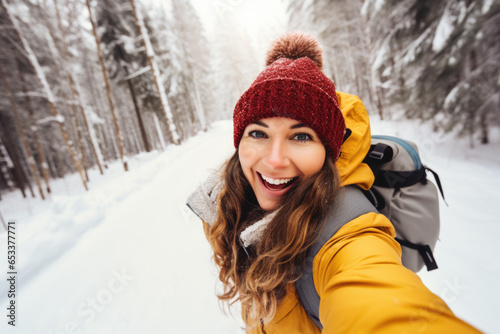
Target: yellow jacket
(358, 274)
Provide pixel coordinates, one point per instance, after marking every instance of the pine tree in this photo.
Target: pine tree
(126, 63)
(439, 61)
(150, 53)
(24, 140)
(75, 90)
(34, 127)
(119, 135)
(195, 54)
(176, 77)
(340, 29)
(42, 79)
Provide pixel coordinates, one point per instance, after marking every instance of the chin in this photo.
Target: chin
(268, 205)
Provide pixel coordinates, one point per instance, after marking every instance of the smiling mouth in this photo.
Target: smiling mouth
(277, 184)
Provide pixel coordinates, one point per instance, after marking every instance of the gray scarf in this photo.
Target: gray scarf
(203, 202)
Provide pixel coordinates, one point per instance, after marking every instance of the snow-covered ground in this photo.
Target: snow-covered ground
(128, 257)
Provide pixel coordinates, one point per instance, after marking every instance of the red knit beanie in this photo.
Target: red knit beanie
(293, 86)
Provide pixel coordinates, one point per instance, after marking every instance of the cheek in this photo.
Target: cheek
(311, 161)
(247, 156)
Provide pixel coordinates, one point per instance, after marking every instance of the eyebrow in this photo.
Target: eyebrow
(295, 126)
(260, 123)
(300, 125)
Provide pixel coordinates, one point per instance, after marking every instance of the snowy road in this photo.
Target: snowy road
(139, 262)
(127, 256)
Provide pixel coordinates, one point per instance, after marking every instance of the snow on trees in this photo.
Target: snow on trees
(160, 79)
(20, 130)
(118, 37)
(108, 90)
(439, 61)
(174, 136)
(60, 82)
(43, 82)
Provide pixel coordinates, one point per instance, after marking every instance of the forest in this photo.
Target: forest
(88, 82)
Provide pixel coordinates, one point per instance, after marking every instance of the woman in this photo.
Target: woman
(269, 205)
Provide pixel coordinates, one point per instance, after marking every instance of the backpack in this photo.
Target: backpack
(402, 193)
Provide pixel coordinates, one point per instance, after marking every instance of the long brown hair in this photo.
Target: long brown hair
(258, 275)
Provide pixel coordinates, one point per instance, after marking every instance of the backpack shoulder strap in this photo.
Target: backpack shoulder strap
(349, 204)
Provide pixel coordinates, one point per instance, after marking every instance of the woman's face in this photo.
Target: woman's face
(277, 152)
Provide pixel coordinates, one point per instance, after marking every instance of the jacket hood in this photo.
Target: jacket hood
(350, 165)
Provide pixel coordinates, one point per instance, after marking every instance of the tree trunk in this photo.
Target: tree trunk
(27, 180)
(57, 49)
(483, 116)
(158, 131)
(105, 140)
(75, 91)
(16, 166)
(108, 89)
(374, 80)
(6, 165)
(43, 82)
(174, 137)
(145, 140)
(34, 129)
(93, 142)
(3, 222)
(24, 140)
(379, 101)
(197, 99)
(52, 161)
(78, 130)
(97, 136)
(484, 129)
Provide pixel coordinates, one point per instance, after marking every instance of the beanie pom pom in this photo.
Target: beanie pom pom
(295, 45)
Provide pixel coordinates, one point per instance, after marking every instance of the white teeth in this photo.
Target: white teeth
(276, 181)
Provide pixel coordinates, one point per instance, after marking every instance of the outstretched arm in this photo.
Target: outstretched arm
(364, 288)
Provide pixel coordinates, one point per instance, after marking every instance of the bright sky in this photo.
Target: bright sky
(263, 19)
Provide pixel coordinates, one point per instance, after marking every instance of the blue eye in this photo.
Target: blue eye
(257, 134)
(302, 137)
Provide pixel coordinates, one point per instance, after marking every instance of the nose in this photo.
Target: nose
(277, 155)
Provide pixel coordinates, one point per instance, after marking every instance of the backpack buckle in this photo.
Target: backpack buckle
(376, 155)
(378, 152)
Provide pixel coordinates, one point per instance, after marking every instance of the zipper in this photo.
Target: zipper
(410, 149)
